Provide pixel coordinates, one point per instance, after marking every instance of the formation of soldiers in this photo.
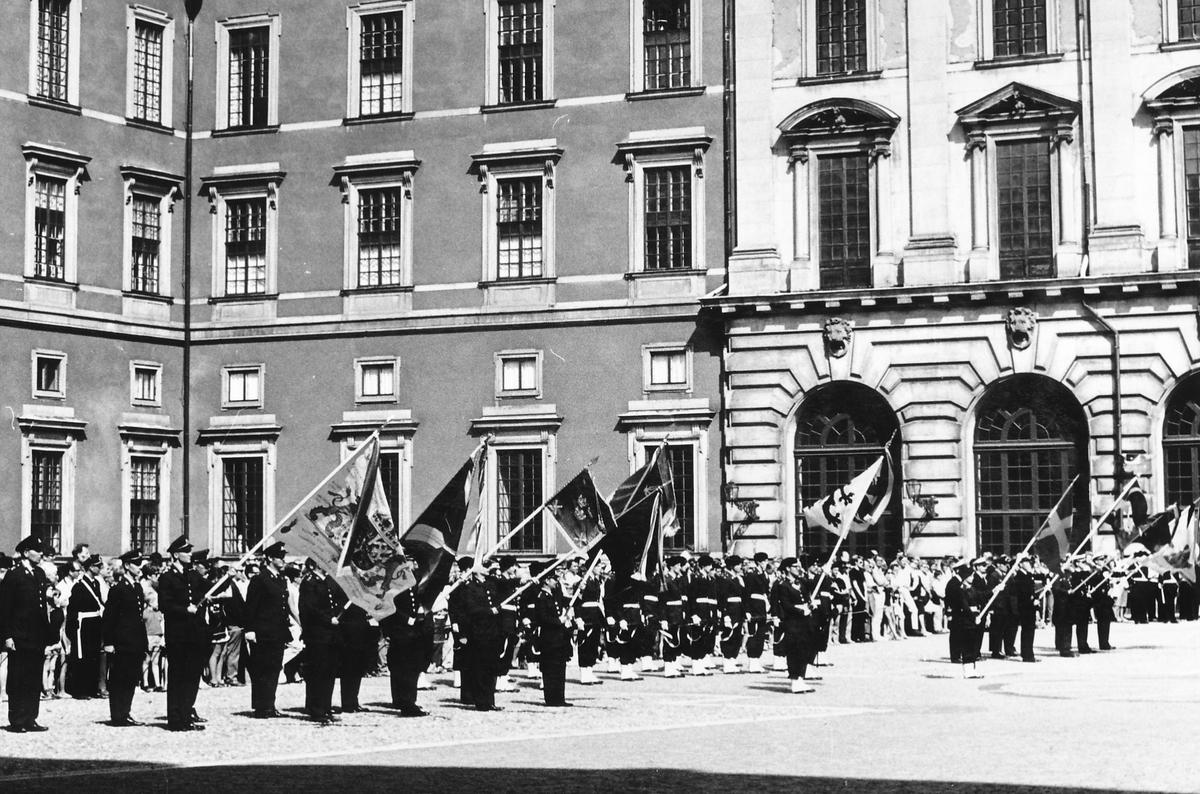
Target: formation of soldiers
(698, 615)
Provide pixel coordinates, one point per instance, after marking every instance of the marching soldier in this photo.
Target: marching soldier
(186, 634)
(701, 616)
(267, 631)
(320, 604)
(671, 616)
(409, 631)
(84, 612)
(1079, 604)
(25, 632)
(1103, 606)
(124, 638)
(625, 610)
(975, 594)
(505, 573)
(589, 624)
(1022, 592)
(959, 619)
(728, 588)
(757, 604)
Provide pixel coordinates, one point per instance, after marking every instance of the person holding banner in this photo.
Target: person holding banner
(1023, 593)
(267, 631)
(319, 607)
(553, 629)
(186, 635)
(481, 638)
(409, 631)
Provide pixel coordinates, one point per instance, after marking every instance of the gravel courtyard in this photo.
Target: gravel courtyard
(887, 717)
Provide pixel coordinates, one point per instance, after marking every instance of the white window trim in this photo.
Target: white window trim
(361, 363)
(142, 448)
(68, 446)
(986, 32)
(354, 15)
(223, 28)
(358, 172)
(57, 355)
(1168, 131)
(512, 161)
(241, 182)
(648, 352)
(226, 403)
(492, 34)
(74, 22)
(637, 46)
(547, 445)
(509, 355)
(135, 14)
(218, 452)
(643, 441)
(396, 433)
(158, 186)
(656, 149)
(134, 366)
(52, 162)
(807, 18)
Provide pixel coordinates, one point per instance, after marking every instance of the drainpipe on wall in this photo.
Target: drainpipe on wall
(729, 156)
(1119, 474)
(192, 8)
(1083, 41)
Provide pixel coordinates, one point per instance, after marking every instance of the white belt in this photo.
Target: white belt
(712, 601)
(759, 596)
(590, 604)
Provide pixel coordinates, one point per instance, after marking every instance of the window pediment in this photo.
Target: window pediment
(517, 155)
(53, 160)
(839, 117)
(1018, 103)
(1179, 91)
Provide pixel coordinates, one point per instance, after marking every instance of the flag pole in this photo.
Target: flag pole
(559, 560)
(586, 575)
(847, 521)
(1104, 517)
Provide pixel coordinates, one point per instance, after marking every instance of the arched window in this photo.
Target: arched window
(840, 431)
(1030, 441)
(1181, 442)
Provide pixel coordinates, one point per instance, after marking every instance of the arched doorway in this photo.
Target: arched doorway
(1181, 442)
(840, 431)
(1031, 439)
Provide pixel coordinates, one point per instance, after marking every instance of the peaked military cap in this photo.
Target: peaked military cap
(181, 545)
(276, 550)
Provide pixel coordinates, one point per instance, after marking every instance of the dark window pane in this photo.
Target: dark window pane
(249, 73)
(45, 519)
(246, 247)
(667, 41)
(519, 228)
(53, 19)
(242, 508)
(389, 471)
(49, 228)
(1181, 443)
(1191, 186)
(682, 459)
(1019, 28)
(143, 504)
(844, 224)
(520, 51)
(381, 85)
(379, 237)
(1023, 198)
(147, 72)
(1189, 20)
(668, 218)
(146, 231)
(519, 493)
(841, 36)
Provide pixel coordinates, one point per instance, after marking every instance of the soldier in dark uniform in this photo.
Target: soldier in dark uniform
(729, 588)
(958, 620)
(671, 616)
(124, 638)
(625, 608)
(25, 632)
(320, 604)
(455, 608)
(1079, 605)
(409, 631)
(186, 635)
(267, 631)
(504, 572)
(797, 623)
(975, 594)
(756, 600)
(700, 628)
(358, 649)
(589, 625)
(1060, 614)
(648, 637)
(482, 638)
(84, 613)
(1103, 606)
(552, 626)
(1022, 594)
(999, 617)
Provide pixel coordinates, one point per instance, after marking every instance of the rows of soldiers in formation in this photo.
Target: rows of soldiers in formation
(99, 630)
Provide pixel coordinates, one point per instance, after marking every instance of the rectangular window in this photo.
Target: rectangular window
(145, 383)
(844, 223)
(52, 48)
(381, 64)
(249, 77)
(682, 459)
(841, 36)
(48, 375)
(519, 493)
(1019, 28)
(143, 503)
(519, 374)
(242, 505)
(49, 228)
(146, 232)
(377, 379)
(667, 213)
(667, 40)
(668, 368)
(379, 232)
(1023, 199)
(519, 228)
(520, 50)
(1189, 20)
(147, 71)
(46, 514)
(246, 247)
(1191, 175)
(389, 472)
(243, 386)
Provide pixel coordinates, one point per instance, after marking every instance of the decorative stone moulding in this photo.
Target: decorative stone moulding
(837, 334)
(1021, 326)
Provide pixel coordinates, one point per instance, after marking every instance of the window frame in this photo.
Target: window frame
(147, 437)
(227, 403)
(492, 75)
(163, 20)
(74, 22)
(223, 28)
(157, 186)
(219, 454)
(50, 162)
(642, 445)
(504, 356)
(807, 19)
(637, 49)
(360, 366)
(30, 446)
(354, 17)
(226, 183)
(36, 356)
(370, 172)
(397, 432)
(648, 354)
(986, 35)
(157, 369)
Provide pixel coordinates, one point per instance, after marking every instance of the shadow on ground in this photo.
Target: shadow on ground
(34, 776)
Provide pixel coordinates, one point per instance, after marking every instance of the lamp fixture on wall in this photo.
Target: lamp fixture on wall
(928, 505)
(749, 507)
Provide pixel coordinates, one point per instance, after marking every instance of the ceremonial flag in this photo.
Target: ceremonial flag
(1155, 532)
(842, 511)
(433, 538)
(1179, 554)
(581, 512)
(349, 512)
(637, 505)
(1052, 543)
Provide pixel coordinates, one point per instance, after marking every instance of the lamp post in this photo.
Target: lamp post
(928, 505)
(192, 9)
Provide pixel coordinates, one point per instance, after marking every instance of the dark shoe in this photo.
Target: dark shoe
(1085, 650)
(325, 719)
(1107, 647)
(132, 723)
(1031, 660)
(197, 719)
(352, 709)
(954, 660)
(33, 727)
(1066, 654)
(414, 712)
(489, 708)
(185, 727)
(560, 705)
(16, 729)
(997, 656)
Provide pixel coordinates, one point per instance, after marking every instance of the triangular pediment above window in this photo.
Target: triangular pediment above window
(1016, 103)
(840, 116)
(1178, 91)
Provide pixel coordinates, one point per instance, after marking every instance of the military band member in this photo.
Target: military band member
(1103, 605)
(589, 625)
(319, 607)
(409, 631)
(25, 632)
(757, 603)
(84, 612)
(553, 628)
(701, 616)
(267, 630)
(186, 635)
(1080, 604)
(124, 637)
(671, 616)
(729, 587)
(625, 609)
(1023, 596)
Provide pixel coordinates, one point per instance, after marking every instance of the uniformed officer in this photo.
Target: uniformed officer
(671, 616)
(974, 596)
(756, 596)
(1022, 593)
(729, 588)
(795, 612)
(124, 637)
(553, 628)
(409, 631)
(504, 571)
(701, 616)
(1103, 604)
(267, 631)
(481, 637)
(625, 610)
(359, 649)
(589, 625)
(25, 632)
(84, 614)
(186, 634)
(319, 608)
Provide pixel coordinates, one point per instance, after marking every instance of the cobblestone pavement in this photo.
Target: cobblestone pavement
(887, 717)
